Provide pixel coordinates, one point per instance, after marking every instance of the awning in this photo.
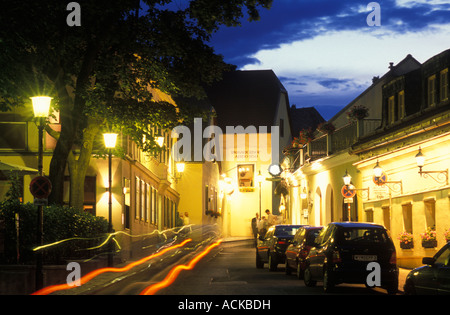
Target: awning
(6, 169)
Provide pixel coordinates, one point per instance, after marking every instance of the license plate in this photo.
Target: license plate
(365, 257)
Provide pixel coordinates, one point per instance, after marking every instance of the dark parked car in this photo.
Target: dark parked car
(298, 250)
(272, 246)
(344, 252)
(434, 278)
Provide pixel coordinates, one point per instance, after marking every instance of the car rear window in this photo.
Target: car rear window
(363, 235)
(286, 230)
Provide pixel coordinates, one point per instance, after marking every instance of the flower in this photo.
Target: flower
(429, 235)
(358, 113)
(326, 127)
(447, 235)
(405, 237)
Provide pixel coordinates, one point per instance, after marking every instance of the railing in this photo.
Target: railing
(341, 139)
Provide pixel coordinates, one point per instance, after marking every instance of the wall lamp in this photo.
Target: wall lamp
(441, 176)
(180, 168)
(348, 182)
(380, 178)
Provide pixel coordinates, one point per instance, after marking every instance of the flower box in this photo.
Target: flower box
(429, 243)
(408, 245)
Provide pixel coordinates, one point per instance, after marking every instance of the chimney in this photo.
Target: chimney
(391, 65)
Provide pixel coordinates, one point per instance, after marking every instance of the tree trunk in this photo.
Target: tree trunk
(78, 167)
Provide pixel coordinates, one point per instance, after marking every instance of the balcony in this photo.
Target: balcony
(341, 139)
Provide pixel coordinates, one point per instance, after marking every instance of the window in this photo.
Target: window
(387, 217)
(444, 85)
(401, 105)
(369, 215)
(407, 217)
(430, 212)
(137, 198)
(245, 175)
(281, 128)
(432, 91)
(154, 207)
(391, 109)
(14, 136)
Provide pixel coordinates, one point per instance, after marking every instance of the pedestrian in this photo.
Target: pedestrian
(186, 218)
(262, 226)
(255, 222)
(271, 219)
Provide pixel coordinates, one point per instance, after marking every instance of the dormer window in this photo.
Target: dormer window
(444, 85)
(432, 91)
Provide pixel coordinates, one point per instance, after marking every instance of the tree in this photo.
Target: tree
(103, 72)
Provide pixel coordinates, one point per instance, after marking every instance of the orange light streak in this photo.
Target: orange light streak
(95, 273)
(173, 274)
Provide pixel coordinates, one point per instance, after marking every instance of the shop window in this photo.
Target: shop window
(407, 217)
(246, 175)
(444, 85)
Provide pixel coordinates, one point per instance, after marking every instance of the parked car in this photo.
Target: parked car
(434, 278)
(344, 251)
(298, 250)
(271, 247)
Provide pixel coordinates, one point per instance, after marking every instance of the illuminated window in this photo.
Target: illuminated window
(137, 198)
(444, 85)
(401, 105)
(391, 109)
(246, 175)
(432, 91)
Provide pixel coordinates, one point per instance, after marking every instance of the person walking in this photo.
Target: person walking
(255, 222)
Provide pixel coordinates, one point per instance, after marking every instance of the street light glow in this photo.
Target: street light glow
(41, 106)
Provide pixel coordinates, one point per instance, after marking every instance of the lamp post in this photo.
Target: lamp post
(110, 143)
(260, 179)
(41, 109)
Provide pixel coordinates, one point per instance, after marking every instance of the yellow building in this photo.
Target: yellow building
(253, 114)
(409, 113)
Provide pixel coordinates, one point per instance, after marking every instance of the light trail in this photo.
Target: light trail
(95, 273)
(173, 274)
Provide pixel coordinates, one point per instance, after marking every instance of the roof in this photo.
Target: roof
(247, 98)
(304, 118)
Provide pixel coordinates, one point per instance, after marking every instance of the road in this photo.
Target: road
(232, 271)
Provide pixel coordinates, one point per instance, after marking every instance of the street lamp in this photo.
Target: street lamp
(110, 140)
(347, 178)
(180, 168)
(41, 109)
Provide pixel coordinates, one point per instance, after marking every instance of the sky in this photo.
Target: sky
(325, 53)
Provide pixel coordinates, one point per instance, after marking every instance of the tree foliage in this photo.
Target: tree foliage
(103, 74)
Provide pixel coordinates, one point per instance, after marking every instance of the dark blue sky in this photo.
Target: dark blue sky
(325, 53)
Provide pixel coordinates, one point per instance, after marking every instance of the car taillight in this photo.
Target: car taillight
(304, 251)
(393, 259)
(336, 258)
(280, 242)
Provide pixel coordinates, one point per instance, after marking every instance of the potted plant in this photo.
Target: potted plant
(429, 238)
(358, 113)
(406, 240)
(326, 127)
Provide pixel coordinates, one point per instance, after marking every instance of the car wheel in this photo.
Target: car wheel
(272, 263)
(299, 271)
(308, 278)
(287, 269)
(328, 284)
(259, 262)
(392, 288)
